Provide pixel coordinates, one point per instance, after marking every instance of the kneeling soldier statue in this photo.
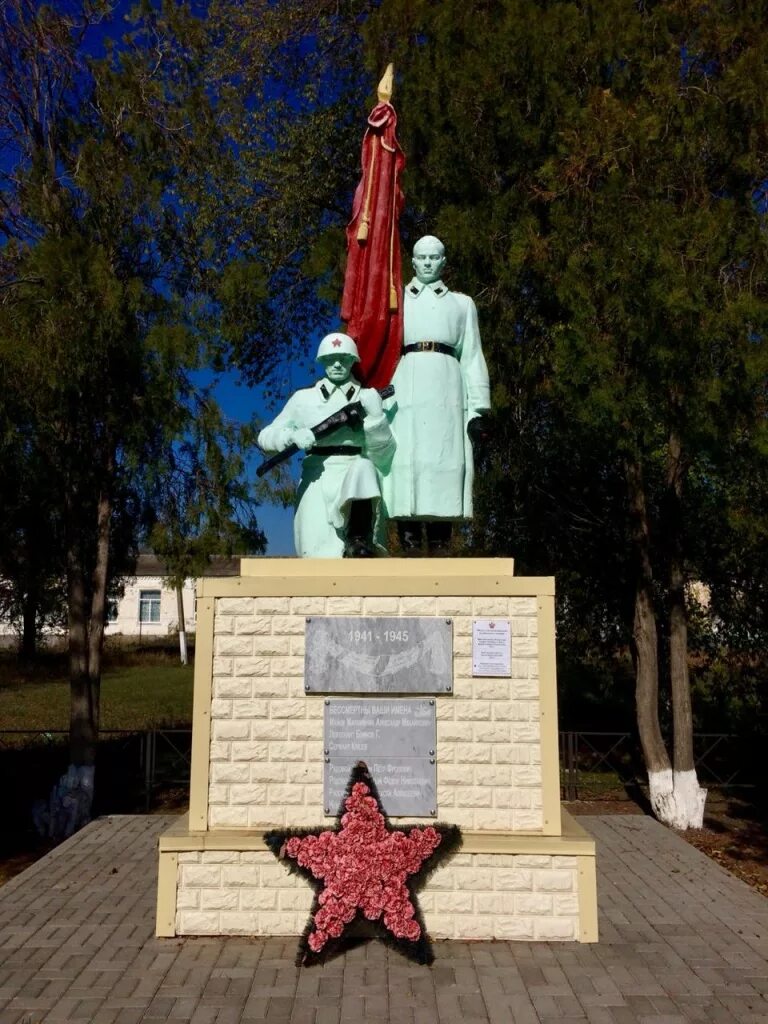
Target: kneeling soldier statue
(345, 434)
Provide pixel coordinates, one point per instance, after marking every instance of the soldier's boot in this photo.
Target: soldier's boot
(409, 532)
(439, 538)
(359, 539)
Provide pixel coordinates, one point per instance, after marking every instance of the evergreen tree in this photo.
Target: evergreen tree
(593, 169)
(108, 306)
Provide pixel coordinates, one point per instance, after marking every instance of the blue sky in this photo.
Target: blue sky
(240, 403)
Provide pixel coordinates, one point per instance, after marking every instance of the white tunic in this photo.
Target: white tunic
(329, 483)
(435, 397)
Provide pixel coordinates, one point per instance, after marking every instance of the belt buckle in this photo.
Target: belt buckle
(429, 346)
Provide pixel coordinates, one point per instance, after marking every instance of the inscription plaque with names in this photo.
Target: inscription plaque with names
(397, 741)
(371, 654)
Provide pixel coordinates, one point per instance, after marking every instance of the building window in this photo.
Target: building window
(112, 610)
(149, 606)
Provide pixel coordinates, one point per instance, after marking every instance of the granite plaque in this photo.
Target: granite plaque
(378, 655)
(396, 739)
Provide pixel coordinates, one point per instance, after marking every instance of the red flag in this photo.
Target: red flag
(372, 304)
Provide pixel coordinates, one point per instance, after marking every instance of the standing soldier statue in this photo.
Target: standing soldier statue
(440, 383)
(441, 396)
(343, 430)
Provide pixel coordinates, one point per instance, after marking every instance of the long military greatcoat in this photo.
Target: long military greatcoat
(436, 395)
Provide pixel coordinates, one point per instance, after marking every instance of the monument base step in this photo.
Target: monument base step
(500, 885)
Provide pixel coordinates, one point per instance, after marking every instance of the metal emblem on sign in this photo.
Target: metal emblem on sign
(378, 655)
(397, 741)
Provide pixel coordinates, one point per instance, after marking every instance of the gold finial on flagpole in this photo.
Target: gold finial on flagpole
(386, 84)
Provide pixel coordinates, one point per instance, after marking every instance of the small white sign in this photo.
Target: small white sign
(491, 647)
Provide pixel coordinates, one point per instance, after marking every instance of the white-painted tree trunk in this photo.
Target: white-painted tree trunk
(69, 805)
(677, 799)
(182, 625)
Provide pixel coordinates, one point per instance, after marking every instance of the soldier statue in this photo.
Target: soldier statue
(441, 396)
(338, 503)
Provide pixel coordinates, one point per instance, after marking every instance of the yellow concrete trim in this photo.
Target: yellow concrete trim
(550, 754)
(587, 889)
(167, 881)
(322, 579)
(377, 568)
(574, 841)
(586, 878)
(201, 716)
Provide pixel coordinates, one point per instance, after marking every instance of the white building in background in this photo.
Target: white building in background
(149, 607)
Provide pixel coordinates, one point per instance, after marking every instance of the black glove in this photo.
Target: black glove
(479, 433)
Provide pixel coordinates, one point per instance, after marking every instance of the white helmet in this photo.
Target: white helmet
(337, 344)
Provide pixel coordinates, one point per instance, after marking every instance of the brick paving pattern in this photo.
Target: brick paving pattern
(681, 940)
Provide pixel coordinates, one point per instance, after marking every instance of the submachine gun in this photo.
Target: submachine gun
(351, 415)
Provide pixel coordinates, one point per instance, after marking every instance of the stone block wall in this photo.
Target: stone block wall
(474, 896)
(524, 872)
(266, 736)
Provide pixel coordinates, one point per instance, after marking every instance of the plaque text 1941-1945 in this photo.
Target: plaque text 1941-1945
(378, 655)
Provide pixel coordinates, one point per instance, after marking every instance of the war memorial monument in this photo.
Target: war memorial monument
(343, 686)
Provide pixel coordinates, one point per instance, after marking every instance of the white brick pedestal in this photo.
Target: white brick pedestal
(524, 870)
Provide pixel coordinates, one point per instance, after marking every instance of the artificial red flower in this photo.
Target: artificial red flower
(364, 867)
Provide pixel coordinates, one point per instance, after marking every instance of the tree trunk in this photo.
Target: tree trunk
(645, 651)
(69, 805)
(30, 601)
(28, 648)
(99, 603)
(182, 624)
(82, 738)
(689, 796)
(71, 802)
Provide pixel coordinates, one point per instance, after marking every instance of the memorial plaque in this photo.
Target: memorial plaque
(396, 739)
(491, 655)
(378, 655)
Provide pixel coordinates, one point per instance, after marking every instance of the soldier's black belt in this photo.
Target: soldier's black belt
(335, 449)
(430, 346)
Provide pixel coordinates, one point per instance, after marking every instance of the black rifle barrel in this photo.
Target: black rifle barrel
(353, 411)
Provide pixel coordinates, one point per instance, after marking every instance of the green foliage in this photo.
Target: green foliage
(108, 304)
(592, 169)
(290, 103)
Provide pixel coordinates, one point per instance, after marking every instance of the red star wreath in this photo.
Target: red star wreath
(364, 870)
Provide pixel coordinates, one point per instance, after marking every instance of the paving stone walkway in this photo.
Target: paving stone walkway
(681, 940)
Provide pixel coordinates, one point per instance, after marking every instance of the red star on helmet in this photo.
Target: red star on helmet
(336, 342)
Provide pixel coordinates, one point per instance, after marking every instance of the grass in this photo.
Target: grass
(140, 689)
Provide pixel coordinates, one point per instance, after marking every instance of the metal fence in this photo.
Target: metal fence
(597, 765)
(167, 758)
(146, 761)
(593, 765)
